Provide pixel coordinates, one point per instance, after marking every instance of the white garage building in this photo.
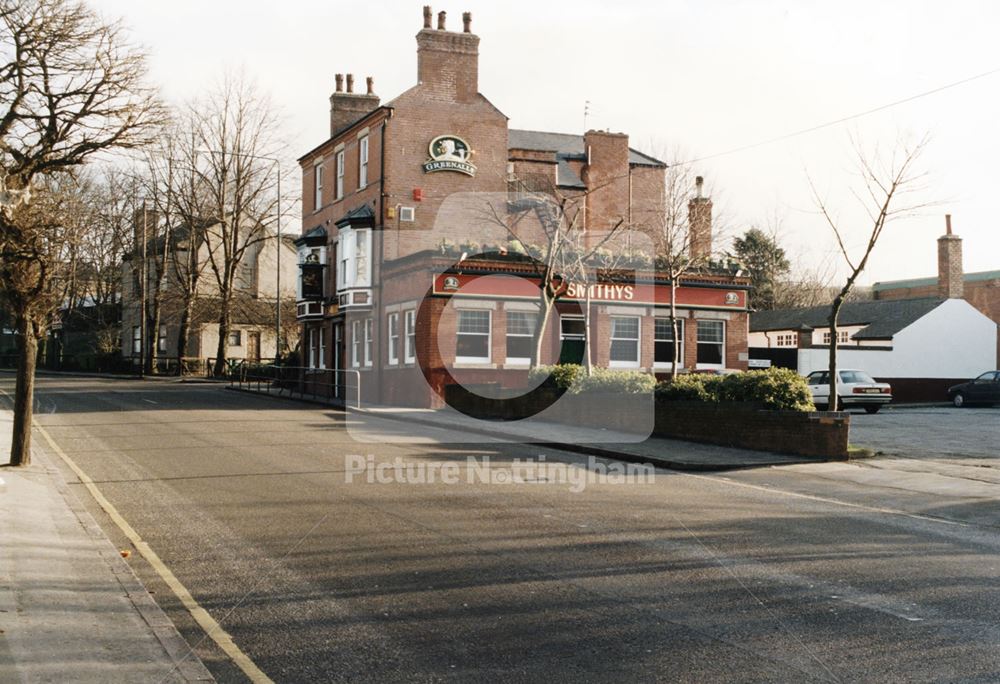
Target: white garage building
(920, 346)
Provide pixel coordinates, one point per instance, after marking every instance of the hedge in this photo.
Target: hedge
(774, 388)
(574, 379)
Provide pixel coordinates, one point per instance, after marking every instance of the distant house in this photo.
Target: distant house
(921, 346)
(252, 332)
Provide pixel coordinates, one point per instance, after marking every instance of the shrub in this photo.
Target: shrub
(574, 379)
(774, 388)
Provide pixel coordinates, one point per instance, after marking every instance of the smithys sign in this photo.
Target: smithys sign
(449, 153)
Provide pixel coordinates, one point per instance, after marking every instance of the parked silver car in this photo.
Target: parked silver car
(856, 388)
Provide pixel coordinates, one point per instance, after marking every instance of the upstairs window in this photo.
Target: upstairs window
(318, 187)
(340, 175)
(362, 162)
(354, 247)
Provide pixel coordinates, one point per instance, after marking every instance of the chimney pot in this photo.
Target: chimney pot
(467, 22)
(947, 223)
(427, 16)
(441, 18)
(340, 82)
(699, 182)
(370, 82)
(350, 83)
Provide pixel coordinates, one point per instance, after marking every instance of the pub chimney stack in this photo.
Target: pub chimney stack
(700, 223)
(951, 278)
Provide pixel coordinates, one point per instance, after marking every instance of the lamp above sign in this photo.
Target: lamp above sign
(449, 153)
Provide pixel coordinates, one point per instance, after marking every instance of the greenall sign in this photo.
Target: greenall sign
(449, 153)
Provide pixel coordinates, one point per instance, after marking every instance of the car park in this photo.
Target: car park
(856, 388)
(983, 390)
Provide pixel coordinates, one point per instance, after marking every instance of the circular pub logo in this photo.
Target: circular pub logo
(449, 153)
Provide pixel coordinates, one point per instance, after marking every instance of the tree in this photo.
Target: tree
(236, 131)
(567, 250)
(677, 250)
(70, 87)
(766, 263)
(885, 181)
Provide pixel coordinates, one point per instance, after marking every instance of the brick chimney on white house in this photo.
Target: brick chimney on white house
(347, 107)
(700, 224)
(447, 61)
(951, 283)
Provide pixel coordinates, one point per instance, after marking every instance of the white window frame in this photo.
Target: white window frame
(369, 357)
(321, 362)
(136, 339)
(349, 258)
(410, 336)
(362, 162)
(519, 360)
(239, 338)
(356, 344)
(680, 352)
(392, 335)
(362, 258)
(339, 187)
(312, 348)
(318, 186)
(489, 337)
(698, 342)
(637, 339)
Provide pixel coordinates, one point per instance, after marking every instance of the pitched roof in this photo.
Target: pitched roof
(568, 144)
(883, 318)
(926, 282)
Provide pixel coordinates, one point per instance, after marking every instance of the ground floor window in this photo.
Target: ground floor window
(356, 343)
(711, 343)
(572, 338)
(473, 339)
(392, 323)
(136, 340)
(410, 330)
(368, 342)
(161, 340)
(322, 348)
(663, 342)
(520, 336)
(235, 338)
(624, 341)
(312, 348)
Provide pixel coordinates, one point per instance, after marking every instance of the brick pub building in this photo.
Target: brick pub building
(411, 275)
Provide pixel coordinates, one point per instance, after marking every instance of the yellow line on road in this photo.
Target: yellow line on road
(212, 628)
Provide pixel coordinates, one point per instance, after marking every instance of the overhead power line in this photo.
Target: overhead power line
(841, 120)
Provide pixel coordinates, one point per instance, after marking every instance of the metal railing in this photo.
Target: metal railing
(334, 386)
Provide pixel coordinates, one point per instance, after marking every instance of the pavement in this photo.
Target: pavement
(71, 609)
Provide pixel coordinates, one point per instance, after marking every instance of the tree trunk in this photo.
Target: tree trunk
(184, 331)
(24, 393)
(834, 400)
(673, 326)
(588, 359)
(220, 352)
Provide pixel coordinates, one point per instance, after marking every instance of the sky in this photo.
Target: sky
(691, 80)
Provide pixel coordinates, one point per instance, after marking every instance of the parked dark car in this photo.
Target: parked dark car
(983, 390)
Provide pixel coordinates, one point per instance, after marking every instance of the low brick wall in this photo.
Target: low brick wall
(819, 434)
(816, 434)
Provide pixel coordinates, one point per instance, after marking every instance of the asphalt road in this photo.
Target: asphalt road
(931, 431)
(886, 571)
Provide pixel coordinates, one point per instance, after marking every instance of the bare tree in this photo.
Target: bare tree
(236, 129)
(70, 87)
(566, 249)
(885, 193)
(675, 241)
